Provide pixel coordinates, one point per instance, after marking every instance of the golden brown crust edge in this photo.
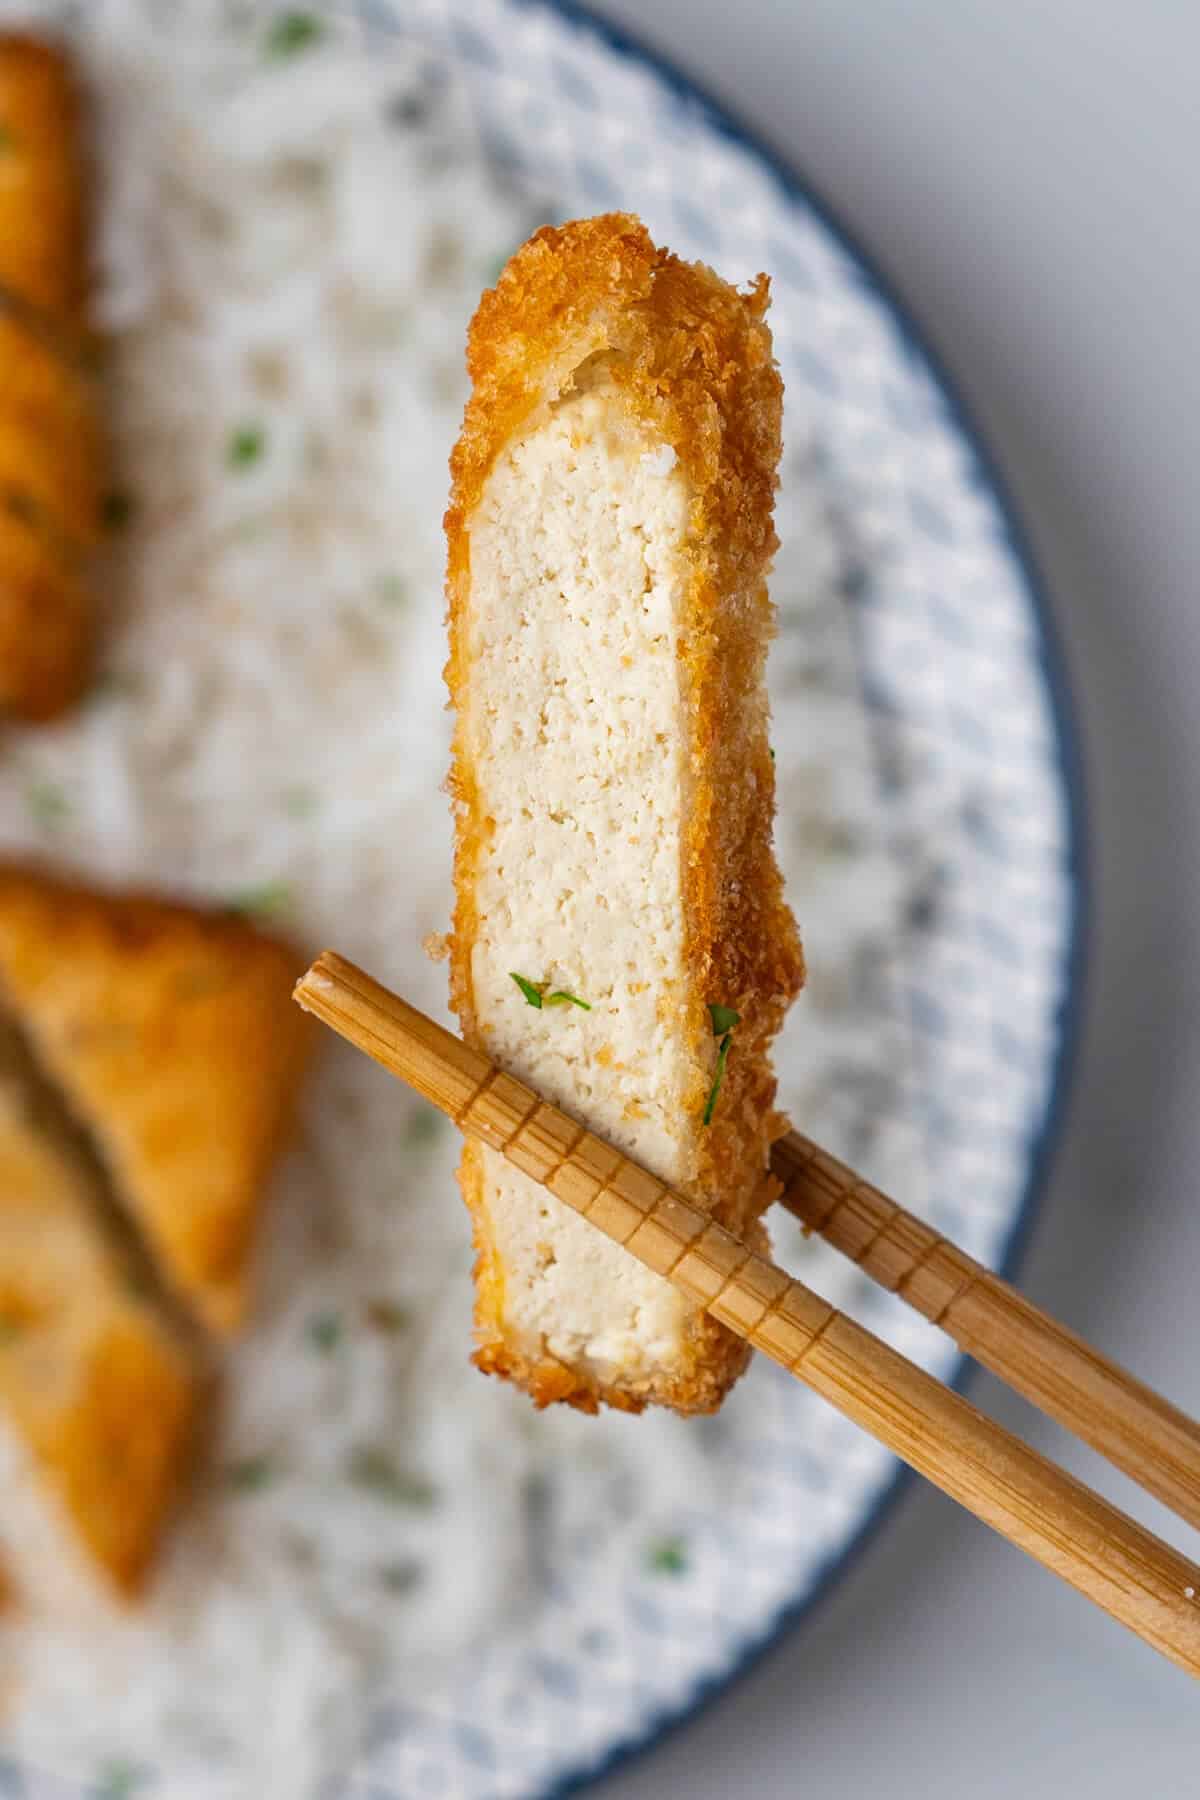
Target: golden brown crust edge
(46, 620)
(119, 1455)
(102, 1387)
(43, 201)
(692, 358)
(51, 448)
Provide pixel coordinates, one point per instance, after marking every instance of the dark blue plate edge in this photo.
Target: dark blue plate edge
(1070, 763)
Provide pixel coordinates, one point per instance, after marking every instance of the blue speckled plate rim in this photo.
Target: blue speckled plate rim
(1070, 769)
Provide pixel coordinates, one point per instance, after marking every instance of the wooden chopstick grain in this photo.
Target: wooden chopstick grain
(1101, 1552)
(1061, 1374)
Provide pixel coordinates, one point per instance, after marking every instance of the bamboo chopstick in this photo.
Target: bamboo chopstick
(1135, 1428)
(1107, 1556)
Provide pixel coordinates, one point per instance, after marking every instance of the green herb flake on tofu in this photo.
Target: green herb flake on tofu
(533, 994)
(724, 1018)
(537, 996)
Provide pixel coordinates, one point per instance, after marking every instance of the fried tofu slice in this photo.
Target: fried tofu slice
(43, 251)
(49, 392)
(171, 1034)
(609, 534)
(51, 468)
(101, 1390)
(51, 452)
(52, 465)
(46, 613)
(38, 483)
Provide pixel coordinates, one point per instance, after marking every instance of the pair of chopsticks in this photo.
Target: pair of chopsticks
(1102, 1552)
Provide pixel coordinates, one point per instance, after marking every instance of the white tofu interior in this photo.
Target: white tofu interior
(576, 733)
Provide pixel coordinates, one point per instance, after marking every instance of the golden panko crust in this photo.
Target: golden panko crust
(118, 1447)
(692, 359)
(46, 620)
(52, 465)
(50, 411)
(43, 202)
(172, 1036)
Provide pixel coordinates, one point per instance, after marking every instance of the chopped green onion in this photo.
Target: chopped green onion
(536, 995)
(371, 1468)
(8, 138)
(325, 1332)
(300, 802)
(533, 995)
(668, 1557)
(118, 1781)
(48, 805)
(267, 901)
(246, 445)
(250, 1475)
(292, 31)
(10, 1330)
(724, 1018)
(718, 1078)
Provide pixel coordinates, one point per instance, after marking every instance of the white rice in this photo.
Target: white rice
(283, 256)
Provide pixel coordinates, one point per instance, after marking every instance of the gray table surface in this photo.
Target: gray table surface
(1028, 172)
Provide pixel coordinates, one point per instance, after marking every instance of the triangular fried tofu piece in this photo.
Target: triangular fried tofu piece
(172, 1036)
(101, 1390)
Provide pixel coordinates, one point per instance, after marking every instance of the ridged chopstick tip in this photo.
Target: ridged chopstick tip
(315, 981)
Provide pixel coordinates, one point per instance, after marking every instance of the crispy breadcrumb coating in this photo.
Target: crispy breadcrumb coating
(43, 251)
(52, 463)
